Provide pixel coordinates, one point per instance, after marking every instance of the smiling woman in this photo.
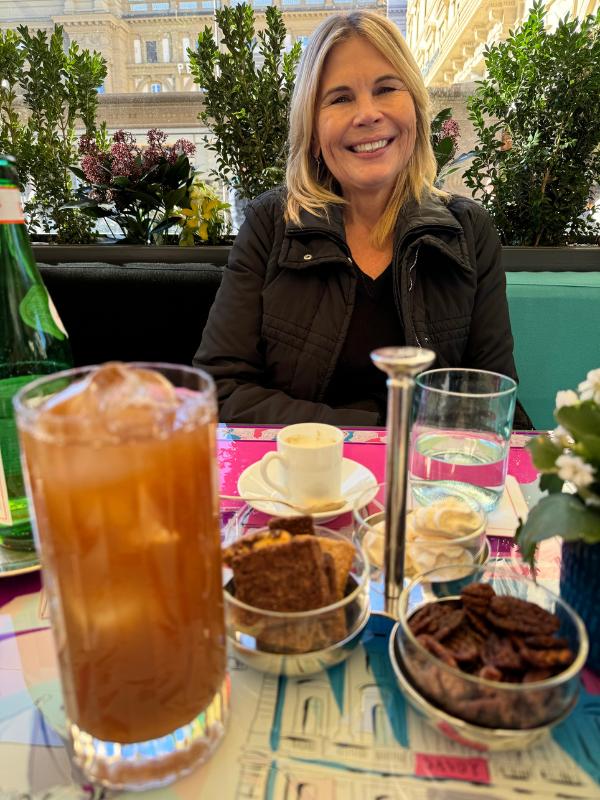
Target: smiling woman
(358, 251)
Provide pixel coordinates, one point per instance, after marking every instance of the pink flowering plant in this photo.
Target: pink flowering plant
(135, 187)
(570, 453)
(445, 134)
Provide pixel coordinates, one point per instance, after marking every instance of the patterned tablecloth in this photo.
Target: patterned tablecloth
(344, 734)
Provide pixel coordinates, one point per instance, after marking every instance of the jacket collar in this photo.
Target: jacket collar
(322, 239)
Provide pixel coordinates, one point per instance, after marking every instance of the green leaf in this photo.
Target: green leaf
(166, 224)
(581, 419)
(562, 515)
(86, 203)
(79, 173)
(550, 482)
(588, 447)
(96, 212)
(544, 453)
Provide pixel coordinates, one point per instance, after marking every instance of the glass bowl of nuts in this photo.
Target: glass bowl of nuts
(296, 597)
(489, 657)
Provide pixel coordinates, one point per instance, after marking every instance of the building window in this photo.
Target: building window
(155, 88)
(137, 51)
(139, 7)
(303, 40)
(166, 49)
(185, 46)
(188, 5)
(151, 53)
(160, 6)
(101, 89)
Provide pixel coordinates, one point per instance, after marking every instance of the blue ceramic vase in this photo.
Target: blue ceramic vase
(580, 587)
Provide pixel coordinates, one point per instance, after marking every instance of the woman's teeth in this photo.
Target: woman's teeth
(370, 147)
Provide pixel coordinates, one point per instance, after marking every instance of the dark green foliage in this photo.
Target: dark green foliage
(246, 107)
(537, 118)
(58, 88)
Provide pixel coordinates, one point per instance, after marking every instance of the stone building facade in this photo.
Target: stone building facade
(448, 37)
(145, 42)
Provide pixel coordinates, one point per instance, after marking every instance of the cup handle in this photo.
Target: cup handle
(265, 461)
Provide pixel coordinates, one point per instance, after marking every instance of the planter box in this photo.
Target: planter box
(578, 258)
(514, 259)
(130, 253)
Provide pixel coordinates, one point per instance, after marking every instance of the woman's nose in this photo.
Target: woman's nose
(367, 111)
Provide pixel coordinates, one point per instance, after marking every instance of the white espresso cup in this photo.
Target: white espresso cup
(310, 458)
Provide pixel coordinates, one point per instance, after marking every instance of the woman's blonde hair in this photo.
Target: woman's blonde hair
(310, 185)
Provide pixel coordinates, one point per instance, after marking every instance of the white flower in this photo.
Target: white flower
(590, 388)
(566, 398)
(561, 436)
(575, 469)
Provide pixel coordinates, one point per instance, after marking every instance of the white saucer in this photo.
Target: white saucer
(355, 480)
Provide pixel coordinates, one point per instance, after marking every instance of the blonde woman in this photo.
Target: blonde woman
(358, 251)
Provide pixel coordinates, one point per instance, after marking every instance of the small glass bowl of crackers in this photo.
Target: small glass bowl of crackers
(296, 597)
(491, 658)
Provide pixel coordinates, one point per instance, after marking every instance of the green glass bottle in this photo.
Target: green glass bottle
(32, 343)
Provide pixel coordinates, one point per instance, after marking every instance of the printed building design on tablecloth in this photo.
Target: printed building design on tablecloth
(341, 732)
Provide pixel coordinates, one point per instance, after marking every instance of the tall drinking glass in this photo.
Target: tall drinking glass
(120, 464)
(460, 438)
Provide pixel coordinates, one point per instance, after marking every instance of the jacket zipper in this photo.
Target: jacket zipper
(410, 286)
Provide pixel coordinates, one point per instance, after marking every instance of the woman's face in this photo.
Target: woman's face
(365, 124)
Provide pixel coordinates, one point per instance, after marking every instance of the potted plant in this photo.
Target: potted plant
(43, 139)
(569, 457)
(536, 118)
(445, 133)
(135, 188)
(246, 106)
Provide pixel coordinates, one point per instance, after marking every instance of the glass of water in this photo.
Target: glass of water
(460, 437)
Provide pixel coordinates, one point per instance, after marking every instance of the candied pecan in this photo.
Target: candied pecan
(477, 596)
(546, 642)
(449, 623)
(519, 616)
(533, 675)
(464, 644)
(437, 649)
(499, 652)
(427, 619)
(490, 673)
(482, 711)
(547, 659)
(477, 622)
(448, 687)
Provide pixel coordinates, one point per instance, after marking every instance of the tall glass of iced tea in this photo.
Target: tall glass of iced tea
(121, 469)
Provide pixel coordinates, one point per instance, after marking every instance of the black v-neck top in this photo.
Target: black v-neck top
(356, 381)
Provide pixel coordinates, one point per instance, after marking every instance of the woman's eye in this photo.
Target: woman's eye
(343, 98)
(386, 89)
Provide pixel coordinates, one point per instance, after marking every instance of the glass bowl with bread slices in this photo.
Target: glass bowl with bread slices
(296, 597)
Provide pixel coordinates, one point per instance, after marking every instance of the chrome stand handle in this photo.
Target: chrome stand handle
(401, 364)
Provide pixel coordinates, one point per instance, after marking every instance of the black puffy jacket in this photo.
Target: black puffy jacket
(280, 317)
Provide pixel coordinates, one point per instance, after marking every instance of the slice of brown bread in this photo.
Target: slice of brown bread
(288, 577)
(342, 552)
